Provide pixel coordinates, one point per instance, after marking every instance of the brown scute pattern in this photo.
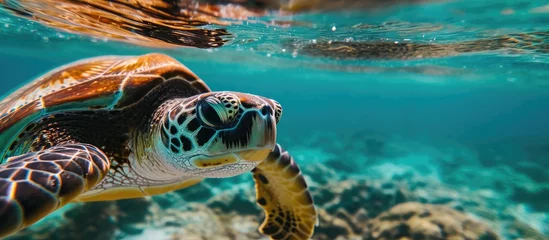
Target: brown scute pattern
(61, 77)
(7, 119)
(104, 88)
(283, 194)
(35, 184)
(150, 23)
(97, 83)
(414, 220)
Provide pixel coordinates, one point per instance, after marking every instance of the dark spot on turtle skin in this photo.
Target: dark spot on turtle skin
(181, 119)
(263, 179)
(13, 145)
(174, 149)
(279, 220)
(29, 127)
(266, 110)
(173, 130)
(286, 228)
(176, 142)
(280, 235)
(193, 125)
(247, 105)
(262, 201)
(204, 135)
(187, 144)
(270, 229)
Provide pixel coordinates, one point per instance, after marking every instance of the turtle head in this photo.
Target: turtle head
(218, 134)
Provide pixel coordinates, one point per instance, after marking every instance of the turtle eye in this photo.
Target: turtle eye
(220, 110)
(209, 114)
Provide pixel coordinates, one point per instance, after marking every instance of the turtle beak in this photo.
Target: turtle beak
(255, 155)
(252, 139)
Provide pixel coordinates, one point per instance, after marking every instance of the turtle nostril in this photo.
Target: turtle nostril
(266, 110)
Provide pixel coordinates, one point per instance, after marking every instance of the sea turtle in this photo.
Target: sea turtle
(118, 127)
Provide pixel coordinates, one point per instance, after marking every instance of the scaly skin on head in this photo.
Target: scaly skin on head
(211, 135)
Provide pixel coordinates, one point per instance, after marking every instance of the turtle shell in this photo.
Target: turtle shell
(107, 83)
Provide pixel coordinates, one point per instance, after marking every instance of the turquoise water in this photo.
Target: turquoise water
(469, 130)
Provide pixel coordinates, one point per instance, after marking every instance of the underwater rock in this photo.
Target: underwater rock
(198, 221)
(194, 221)
(414, 220)
(355, 195)
(338, 226)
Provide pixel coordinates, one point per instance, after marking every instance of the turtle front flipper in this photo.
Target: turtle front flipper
(283, 194)
(35, 184)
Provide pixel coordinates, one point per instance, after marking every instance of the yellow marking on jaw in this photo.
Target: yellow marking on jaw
(254, 155)
(208, 162)
(156, 190)
(136, 192)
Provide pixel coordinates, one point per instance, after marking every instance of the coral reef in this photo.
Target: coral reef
(424, 221)
(366, 186)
